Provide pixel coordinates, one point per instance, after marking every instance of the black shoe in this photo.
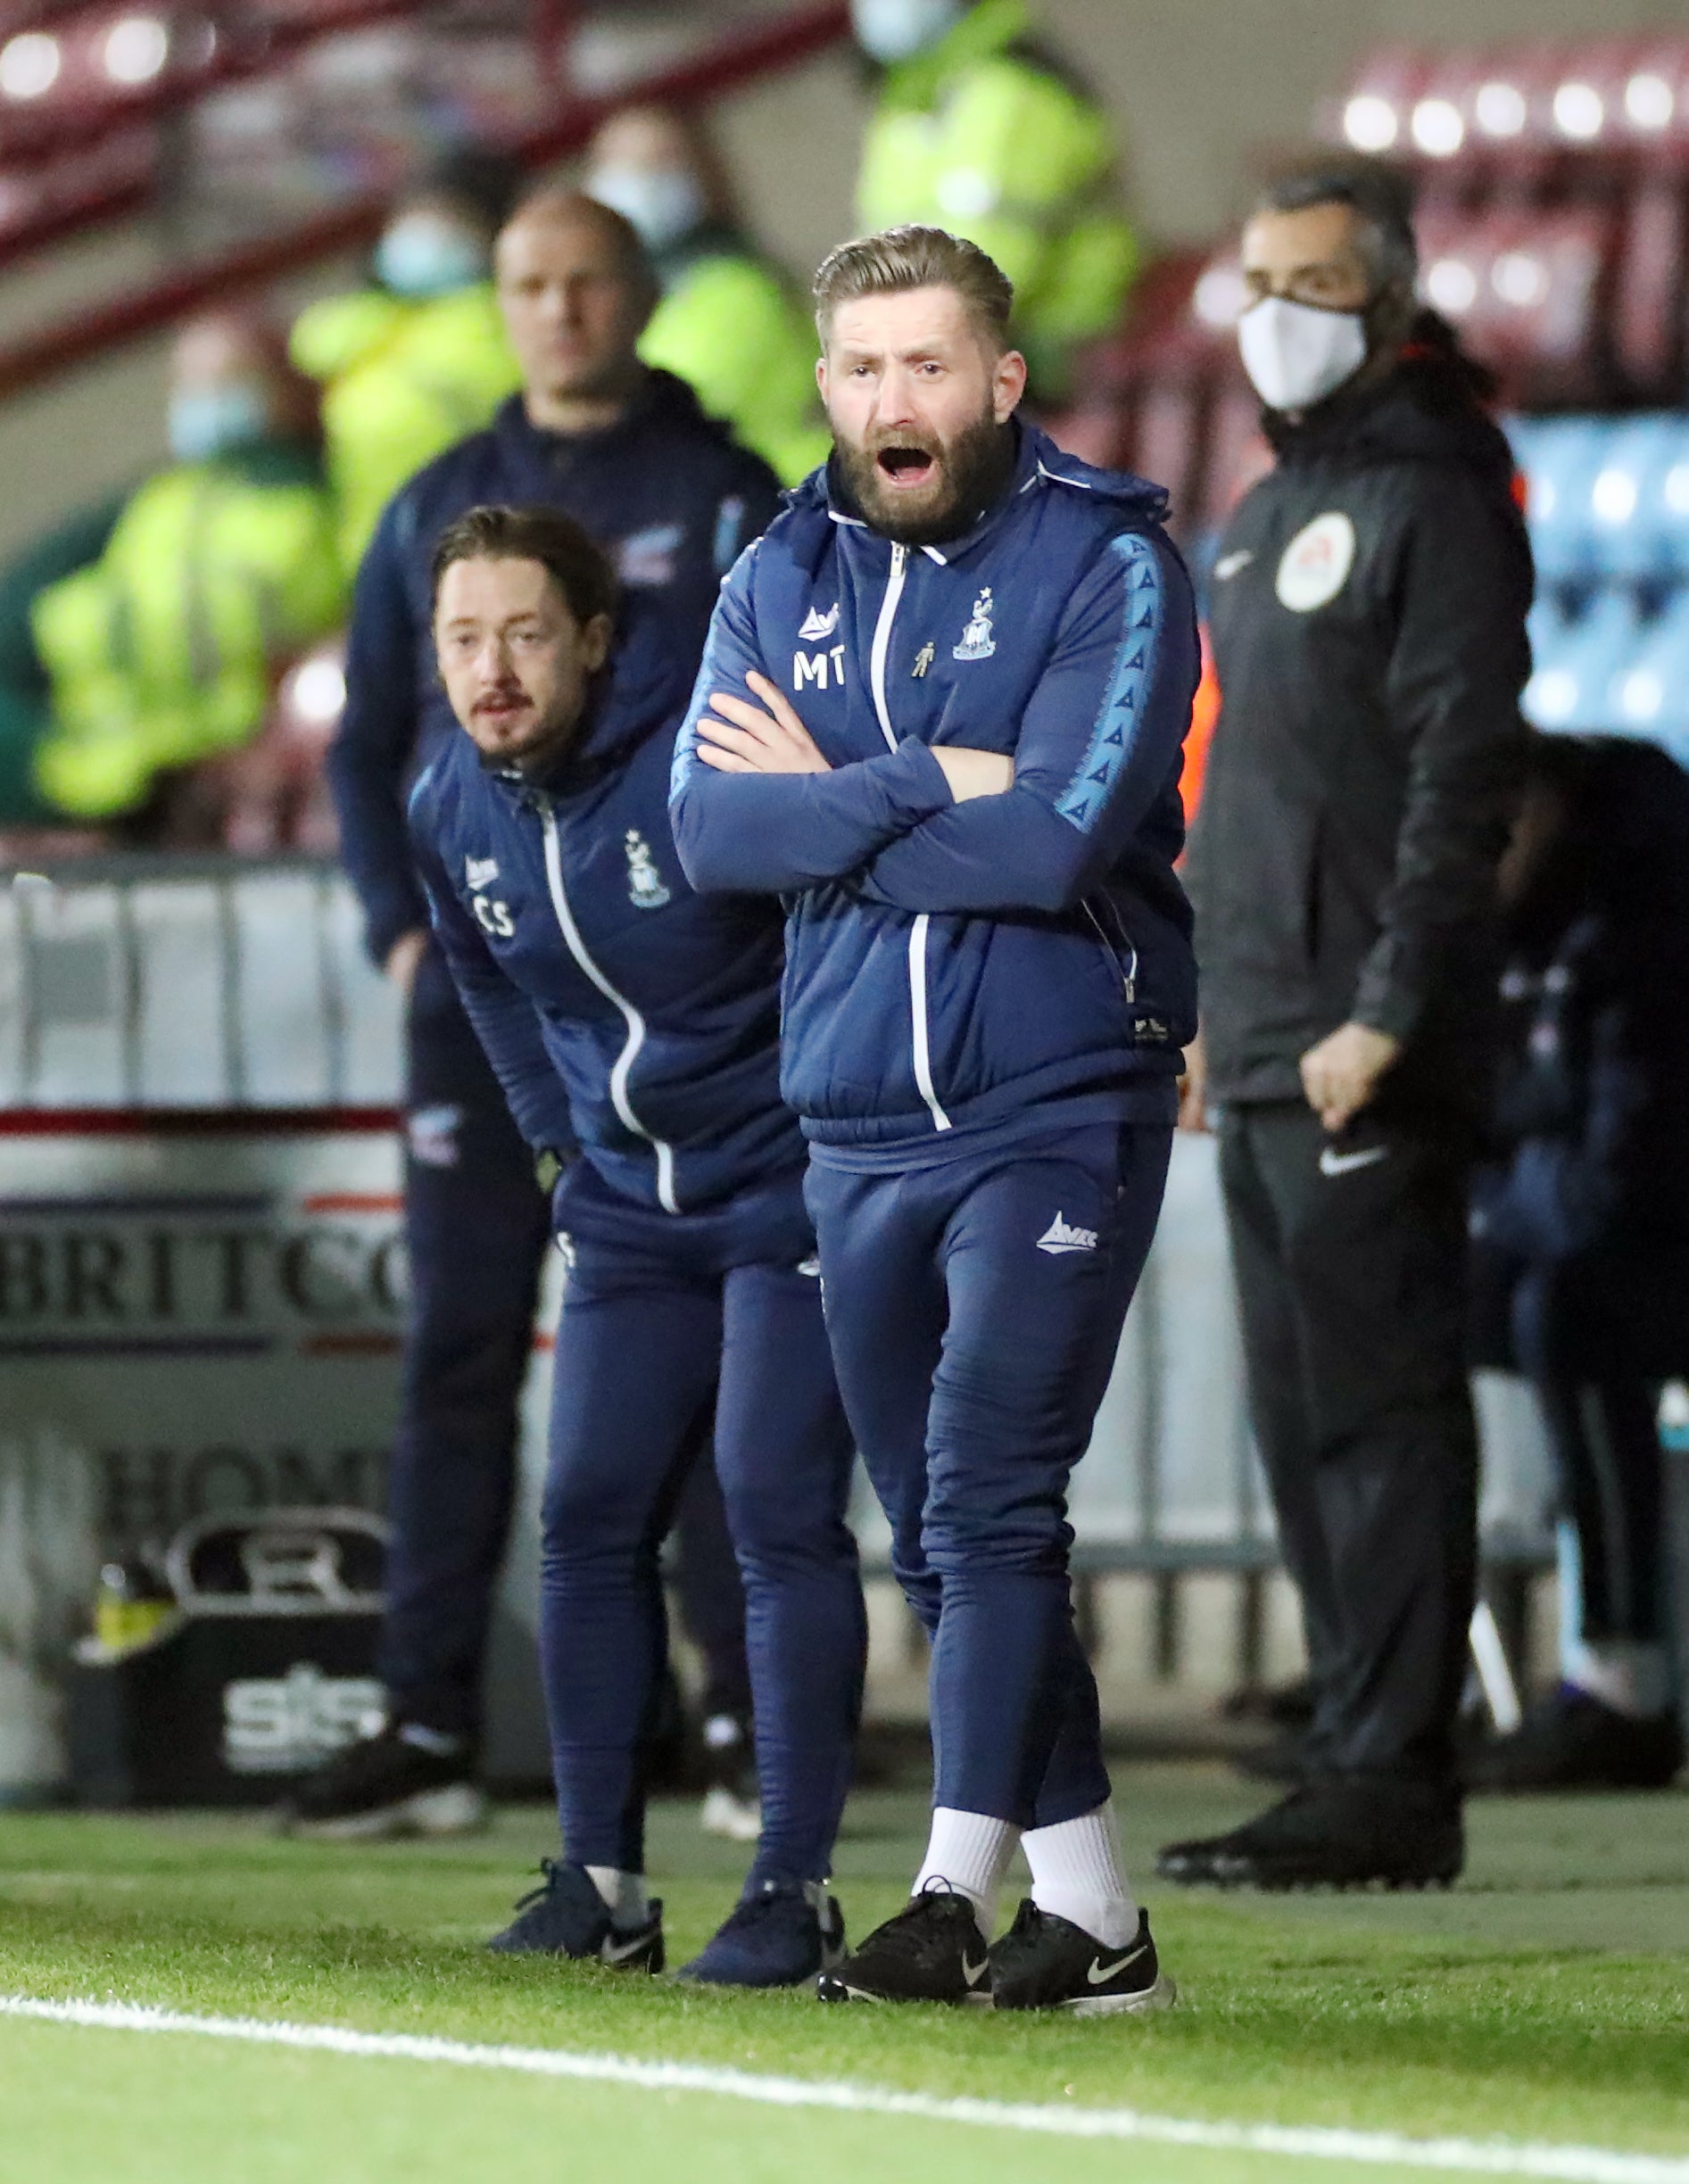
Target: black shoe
(1336, 1832)
(385, 1785)
(933, 1951)
(1570, 1740)
(780, 1934)
(565, 1916)
(732, 1806)
(1044, 1962)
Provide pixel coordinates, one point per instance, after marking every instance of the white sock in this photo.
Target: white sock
(1077, 1875)
(624, 1894)
(1624, 1674)
(970, 1852)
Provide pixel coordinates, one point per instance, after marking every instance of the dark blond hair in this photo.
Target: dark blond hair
(904, 257)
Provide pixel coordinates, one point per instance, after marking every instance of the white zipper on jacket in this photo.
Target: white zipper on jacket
(918, 930)
(635, 1022)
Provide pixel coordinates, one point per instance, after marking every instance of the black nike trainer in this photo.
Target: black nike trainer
(933, 1951)
(565, 1916)
(1044, 1962)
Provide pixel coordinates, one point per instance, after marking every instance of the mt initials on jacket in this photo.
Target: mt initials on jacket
(952, 965)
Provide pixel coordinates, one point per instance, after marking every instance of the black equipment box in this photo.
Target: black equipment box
(264, 1667)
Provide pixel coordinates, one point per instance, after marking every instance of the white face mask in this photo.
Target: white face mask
(665, 204)
(890, 30)
(1296, 354)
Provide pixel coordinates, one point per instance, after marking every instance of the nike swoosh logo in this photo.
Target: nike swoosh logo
(1334, 1163)
(1230, 565)
(620, 1952)
(975, 1972)
(1100, 1971)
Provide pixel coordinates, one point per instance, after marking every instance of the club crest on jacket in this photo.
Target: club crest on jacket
(977, 640)
(645, 888)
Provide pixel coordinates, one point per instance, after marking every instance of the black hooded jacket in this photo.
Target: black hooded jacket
(1368, 621)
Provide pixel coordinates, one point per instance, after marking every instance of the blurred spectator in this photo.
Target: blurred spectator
(149, 635)
(1368, 620)
(1581, 1231)
(983, 130)
(419, 357)
(728, 322)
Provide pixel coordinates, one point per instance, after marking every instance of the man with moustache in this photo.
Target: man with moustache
(627, 452)
(644, 1031)
(941, 713)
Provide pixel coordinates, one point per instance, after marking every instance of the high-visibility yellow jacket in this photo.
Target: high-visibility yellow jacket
(730, 326)
(165, 650)
(401, 381)
(983, 135)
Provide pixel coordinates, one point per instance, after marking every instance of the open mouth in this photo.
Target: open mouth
(906, 467)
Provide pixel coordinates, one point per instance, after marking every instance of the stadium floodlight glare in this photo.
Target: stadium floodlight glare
(1650, 103)
(1613, 497)
(1452, 286)
(1438, 130)
(1370, 122)
(318, 691)
(1219, 297)
(1499, 109)
(29, 65)
(1578, 111)
(1551, 697)
(1520, 278)
(135, 49)
(1677, 489)
(1641, 695)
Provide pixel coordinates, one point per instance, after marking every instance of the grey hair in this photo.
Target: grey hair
(1381, 197)
(900, 259)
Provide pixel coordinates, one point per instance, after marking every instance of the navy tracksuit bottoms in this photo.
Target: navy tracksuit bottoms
(974, 1307)
(476, 1226)
(670, 1323)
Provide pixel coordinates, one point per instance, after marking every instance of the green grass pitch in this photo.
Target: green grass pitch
(1545, 1999)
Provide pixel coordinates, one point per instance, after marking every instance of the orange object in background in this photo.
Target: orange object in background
(1205, 711)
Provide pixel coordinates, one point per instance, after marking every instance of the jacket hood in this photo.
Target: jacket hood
(1040, 464)
(661, 400)
(1431, 409)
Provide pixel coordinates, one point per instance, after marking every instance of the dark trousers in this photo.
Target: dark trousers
(1350, 1259)
(1595, 1334)
(667, 1332)
(476, 1228)
(975, 1309)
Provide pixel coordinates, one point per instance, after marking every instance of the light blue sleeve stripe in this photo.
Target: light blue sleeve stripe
(1144, 613)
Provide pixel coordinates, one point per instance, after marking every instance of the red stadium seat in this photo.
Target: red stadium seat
(1529, 292)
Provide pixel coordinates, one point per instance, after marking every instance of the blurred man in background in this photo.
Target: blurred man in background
(628, 452)
(728, 322)
(979, 128)
(1368, 619)
(1580, 1224)
(150, 634)
(420, 357)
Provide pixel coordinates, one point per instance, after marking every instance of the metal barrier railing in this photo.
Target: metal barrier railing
(161, 983)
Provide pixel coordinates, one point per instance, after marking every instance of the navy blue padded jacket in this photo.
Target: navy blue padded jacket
(623, 1014)
(952, 965)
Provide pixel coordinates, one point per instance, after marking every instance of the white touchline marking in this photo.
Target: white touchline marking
(1574, 2165)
